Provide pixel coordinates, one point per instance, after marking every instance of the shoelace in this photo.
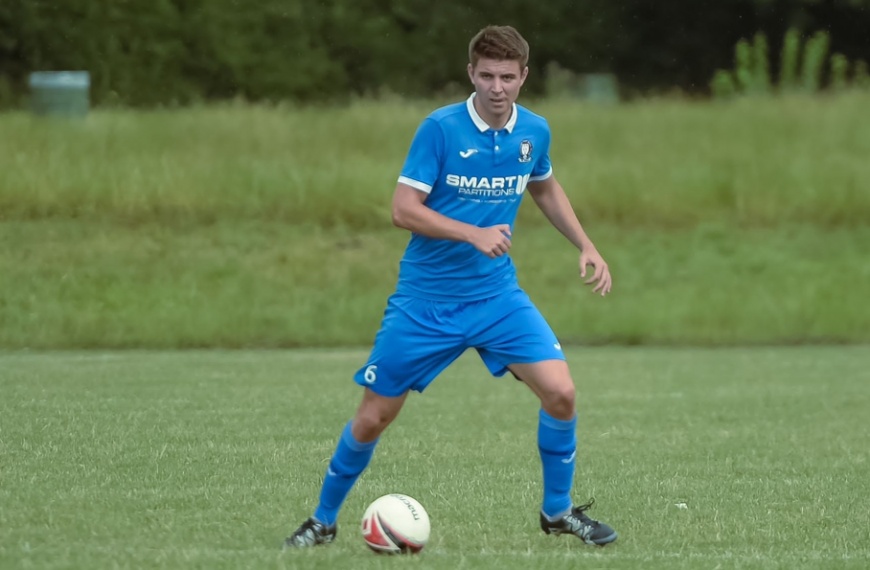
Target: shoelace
(586, 525)
(580, 512)
(585, 507)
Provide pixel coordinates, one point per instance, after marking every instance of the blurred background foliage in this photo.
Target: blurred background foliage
(149, 53)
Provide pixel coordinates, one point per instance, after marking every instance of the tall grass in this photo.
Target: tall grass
(239, 226)
(199, 165)
(664, 164)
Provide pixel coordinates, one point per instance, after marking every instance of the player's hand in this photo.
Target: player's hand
(600, 279)
(493, 241)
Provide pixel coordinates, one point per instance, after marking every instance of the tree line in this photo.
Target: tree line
(174, 52)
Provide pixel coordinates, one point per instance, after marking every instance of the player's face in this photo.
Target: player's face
(497, 83)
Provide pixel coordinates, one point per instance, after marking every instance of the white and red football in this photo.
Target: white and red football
(395, 524)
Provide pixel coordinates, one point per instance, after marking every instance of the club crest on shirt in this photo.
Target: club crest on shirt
(525, 151)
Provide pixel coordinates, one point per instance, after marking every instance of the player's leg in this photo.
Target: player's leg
(354, 451)
(408, 354)
(551, 381)
(352, 455)
(374, 414)
(516, 337)
(557, 429)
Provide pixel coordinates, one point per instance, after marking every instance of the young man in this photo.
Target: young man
(468, 167)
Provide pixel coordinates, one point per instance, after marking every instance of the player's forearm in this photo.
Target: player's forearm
(558, 210)
(421, 219)
(570, 227)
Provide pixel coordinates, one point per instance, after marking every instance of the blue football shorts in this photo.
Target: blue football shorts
(419, 338)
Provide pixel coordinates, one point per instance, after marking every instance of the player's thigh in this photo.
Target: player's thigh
(551, 381)
(510, 329)
(413, 345)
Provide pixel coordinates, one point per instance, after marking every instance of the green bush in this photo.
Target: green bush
(155, 53)
(802, 68)
(790, 61)
(815, 52)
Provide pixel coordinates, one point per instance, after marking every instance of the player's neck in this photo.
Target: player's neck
(496, 122)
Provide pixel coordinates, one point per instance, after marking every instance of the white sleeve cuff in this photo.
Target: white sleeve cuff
(415, 184)
(544, 176)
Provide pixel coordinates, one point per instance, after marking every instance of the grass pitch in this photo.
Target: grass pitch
(727, 458)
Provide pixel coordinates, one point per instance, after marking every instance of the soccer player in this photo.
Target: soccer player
(467, 169)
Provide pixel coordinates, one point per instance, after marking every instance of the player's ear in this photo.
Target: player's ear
(524, 74)
(471, 73)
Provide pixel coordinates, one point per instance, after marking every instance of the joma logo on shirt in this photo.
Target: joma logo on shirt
(516, 183)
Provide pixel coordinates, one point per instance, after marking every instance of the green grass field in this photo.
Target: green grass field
(700, 458)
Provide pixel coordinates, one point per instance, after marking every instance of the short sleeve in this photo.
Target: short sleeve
(423, 163)
(543, 169)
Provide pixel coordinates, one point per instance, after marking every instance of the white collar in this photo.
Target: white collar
(481, 125)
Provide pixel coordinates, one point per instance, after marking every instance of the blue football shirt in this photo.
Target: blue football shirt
(474, 174)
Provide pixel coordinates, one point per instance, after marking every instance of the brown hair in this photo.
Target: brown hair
(499, 43)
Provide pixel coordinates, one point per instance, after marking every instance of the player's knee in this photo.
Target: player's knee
(369, 424)
(560, 402)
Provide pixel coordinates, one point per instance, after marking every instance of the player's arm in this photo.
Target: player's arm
(411, 213)
(550, 197)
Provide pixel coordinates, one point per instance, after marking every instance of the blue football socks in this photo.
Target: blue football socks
(557, 443)
(348, 462)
